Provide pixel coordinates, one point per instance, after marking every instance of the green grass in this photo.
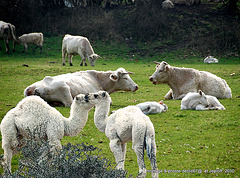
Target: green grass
(186, 140)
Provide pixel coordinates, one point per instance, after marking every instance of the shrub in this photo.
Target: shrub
(79, 160)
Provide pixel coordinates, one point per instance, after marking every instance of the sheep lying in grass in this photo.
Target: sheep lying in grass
(33, 112)
(200, 101)
(152, 107)
(123, 125)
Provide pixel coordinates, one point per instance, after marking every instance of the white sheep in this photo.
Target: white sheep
(32, 113)
(123, 125)
(152, 107)
(200, 101)
(32, 38)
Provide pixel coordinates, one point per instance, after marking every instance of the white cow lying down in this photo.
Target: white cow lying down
(32, 38)
(200, 101)
(78, 45)
(210, 59)
(63, 88)
(152, 107)
(185, 80)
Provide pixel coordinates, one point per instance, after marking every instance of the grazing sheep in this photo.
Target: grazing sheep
(200, 101)
(152, 107)
(123, 125)
(33, 112)
(210, 60)
(32, 38)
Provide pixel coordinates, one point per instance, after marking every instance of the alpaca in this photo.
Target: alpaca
(123, 125)
(152, 107)
(33, 112)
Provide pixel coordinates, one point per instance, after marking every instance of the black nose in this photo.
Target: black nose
(151, 79)
(95, 95)
(86, 97)
(136, 87)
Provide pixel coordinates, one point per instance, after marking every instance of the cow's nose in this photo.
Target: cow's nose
(136, 88)
(151, 79)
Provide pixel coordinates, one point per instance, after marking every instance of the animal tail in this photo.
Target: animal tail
(151, 149)
(151, 146)
(12, 32)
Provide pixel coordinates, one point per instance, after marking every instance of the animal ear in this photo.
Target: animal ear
(114, 77)
(161, 102)
(200, 92)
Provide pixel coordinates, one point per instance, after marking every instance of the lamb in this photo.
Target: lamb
(152, 107)
(32, 38)
(200, 101)
(123, 125)
(33, 112)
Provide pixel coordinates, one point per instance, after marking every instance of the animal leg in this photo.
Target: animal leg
(64, 52)
(169, 95)
(138, 134)
(201, 108)
(6, 45)
(26, 47)
(70, 59)
(8, 154)
(116, 148)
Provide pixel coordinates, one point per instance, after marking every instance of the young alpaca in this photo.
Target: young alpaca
(123, 125)
(200, 101)
(33, 112)
(152, 107)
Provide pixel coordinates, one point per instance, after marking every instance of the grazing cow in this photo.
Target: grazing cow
(200, 101)
(184, 80)
(210, 59)
(63, 88)
(32, 38)
(78, 45)
(7, 32)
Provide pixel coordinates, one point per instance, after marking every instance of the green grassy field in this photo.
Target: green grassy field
(201, 143)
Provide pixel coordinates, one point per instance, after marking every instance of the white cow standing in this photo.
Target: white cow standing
(63, 88)
(78, 45)
(185, 80)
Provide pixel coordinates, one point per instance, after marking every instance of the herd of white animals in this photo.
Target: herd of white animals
(198, 90)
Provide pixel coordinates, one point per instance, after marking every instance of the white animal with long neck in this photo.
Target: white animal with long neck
(123, 125)
(33, 112)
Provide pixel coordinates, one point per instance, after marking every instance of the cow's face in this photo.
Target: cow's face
(161, 73)
(123, 81)
(92, 59)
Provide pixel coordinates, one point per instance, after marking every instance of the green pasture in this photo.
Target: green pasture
(196, 143)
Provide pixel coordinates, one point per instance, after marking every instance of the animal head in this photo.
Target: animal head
(164, 105)
(202, 99)
(98, 97)
(92, 59)
(123, 81)
(161, 73)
